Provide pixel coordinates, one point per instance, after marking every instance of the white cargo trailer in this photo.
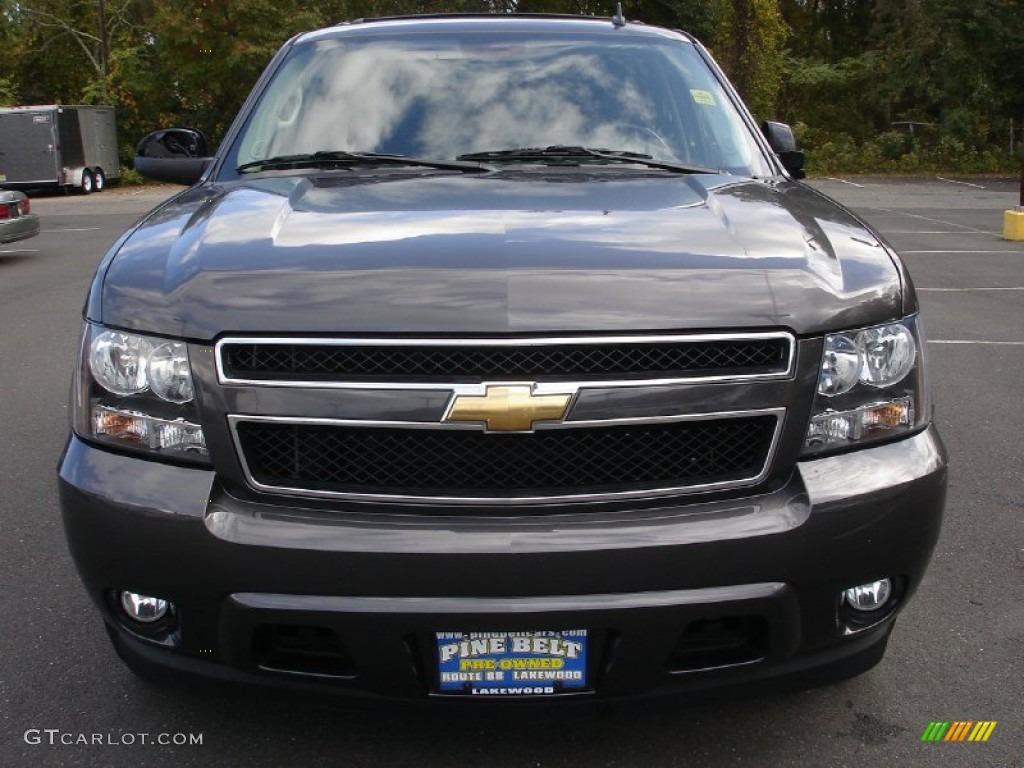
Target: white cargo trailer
(58, 146)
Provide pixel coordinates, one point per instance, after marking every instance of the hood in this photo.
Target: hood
(512, 252)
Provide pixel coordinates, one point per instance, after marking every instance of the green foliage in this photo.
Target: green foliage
(894, 153)
(847, 73)
(955, 65)
(196, 68)
(749, 41)
(8, 92)
(820, 93)
(132, 178)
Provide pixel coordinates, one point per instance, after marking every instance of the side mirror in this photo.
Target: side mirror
(781, 140)
(175, 155)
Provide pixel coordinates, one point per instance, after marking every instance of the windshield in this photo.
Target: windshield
(443, 95)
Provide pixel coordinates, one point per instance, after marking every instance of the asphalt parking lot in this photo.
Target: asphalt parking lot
(957, 652)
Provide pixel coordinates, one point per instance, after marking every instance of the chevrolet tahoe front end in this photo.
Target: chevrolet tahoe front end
(548, 407)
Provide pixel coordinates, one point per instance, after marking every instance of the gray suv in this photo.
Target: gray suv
(499, 357)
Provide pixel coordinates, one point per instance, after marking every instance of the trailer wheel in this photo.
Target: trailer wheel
(99, 180)
(88, 182)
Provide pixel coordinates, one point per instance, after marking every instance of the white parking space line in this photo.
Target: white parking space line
(936, 221)
(844, 181)
(965, 183)
(79, 229)
(90, 214)
(20, 250)
(965, 290)
(975, 341)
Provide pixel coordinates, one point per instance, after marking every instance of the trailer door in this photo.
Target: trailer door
(28, 148)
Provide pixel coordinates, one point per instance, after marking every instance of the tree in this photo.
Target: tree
(58, 48)
(845, 68)
(749, 42)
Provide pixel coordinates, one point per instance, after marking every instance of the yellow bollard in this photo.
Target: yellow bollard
(1013, 224)
(1013, 220)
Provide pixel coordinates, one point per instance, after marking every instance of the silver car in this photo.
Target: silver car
(17, 222)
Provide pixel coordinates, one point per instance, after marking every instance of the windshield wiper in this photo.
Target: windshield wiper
(556, 153)
(341, 159)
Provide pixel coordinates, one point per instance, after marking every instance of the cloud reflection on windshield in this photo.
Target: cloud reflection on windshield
(388, 99)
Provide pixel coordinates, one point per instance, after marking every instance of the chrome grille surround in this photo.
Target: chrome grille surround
(540, 386)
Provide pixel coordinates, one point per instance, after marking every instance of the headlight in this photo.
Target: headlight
(840, 366)
(170, 376)
(118, 362)
(871, 386)
(135, 392)
(888, 352)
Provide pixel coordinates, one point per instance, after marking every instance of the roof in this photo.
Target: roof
(522, 22)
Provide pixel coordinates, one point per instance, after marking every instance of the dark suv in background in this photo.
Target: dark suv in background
(499, 357)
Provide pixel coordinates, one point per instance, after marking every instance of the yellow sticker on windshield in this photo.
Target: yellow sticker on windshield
(702, 97)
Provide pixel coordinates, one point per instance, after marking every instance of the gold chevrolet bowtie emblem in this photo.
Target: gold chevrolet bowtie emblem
(511, 408)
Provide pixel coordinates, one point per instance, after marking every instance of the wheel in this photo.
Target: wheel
(99, 180)
(88, 182)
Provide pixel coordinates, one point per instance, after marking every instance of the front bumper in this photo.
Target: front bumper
(645, 583)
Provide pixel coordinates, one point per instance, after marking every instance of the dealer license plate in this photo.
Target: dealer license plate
(512, 663)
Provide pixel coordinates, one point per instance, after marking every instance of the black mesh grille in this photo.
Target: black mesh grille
(445, 462)
(285, 361)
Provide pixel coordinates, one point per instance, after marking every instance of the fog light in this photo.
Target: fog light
(869, 597)
(143, 608)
